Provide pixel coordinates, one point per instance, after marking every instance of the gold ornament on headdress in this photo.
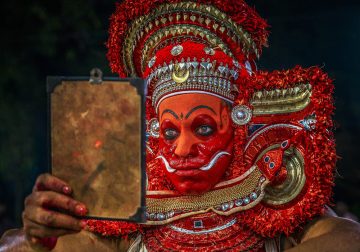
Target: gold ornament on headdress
(200, 22)
(180, 75)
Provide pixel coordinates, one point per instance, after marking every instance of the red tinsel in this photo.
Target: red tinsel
(112, 228)
(266, 220)
(129, 10)
(321, 155)
(319, 145)
(234, 238)
(193, 50)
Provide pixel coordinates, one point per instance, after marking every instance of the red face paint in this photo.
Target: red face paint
(195, 141)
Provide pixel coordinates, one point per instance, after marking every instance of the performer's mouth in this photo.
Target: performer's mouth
(190, 171)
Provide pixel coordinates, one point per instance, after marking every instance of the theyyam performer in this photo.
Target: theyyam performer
(237, 159)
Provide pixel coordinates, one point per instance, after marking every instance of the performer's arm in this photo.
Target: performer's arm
(330, 234)
(50, 212)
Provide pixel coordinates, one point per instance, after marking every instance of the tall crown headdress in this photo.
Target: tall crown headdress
(182, 47)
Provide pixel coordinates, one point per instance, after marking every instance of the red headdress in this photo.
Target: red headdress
(282, 173)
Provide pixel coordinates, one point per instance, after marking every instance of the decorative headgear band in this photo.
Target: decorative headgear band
(190, 74)
(193, 46)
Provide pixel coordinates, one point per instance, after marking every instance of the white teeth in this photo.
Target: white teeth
(168, 168)
(213, 161)
(204, 168)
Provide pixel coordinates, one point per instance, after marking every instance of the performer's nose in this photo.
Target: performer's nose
(186, 146)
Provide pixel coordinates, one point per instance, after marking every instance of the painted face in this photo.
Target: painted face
(196, 141)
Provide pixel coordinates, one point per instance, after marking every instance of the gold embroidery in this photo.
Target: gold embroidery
(180, 31)
(207, 200)
(280, 101)
(186, 10)
(294, 183)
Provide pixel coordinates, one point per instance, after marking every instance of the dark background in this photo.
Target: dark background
(41, 37)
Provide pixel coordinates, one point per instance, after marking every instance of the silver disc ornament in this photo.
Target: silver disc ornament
(154, 128)
(241, 115)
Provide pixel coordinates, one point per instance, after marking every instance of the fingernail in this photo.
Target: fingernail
(34, 240)
(80, 210)
(82, 224)
(66, 189)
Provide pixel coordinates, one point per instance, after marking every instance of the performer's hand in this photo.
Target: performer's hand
(50, 211)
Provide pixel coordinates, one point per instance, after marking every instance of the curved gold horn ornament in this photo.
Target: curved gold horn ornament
(294, 182)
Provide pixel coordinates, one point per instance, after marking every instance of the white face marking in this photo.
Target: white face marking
(203, 168)
(166, 163)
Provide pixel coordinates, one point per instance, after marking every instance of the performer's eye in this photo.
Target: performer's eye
(171, 134)
(204, 130)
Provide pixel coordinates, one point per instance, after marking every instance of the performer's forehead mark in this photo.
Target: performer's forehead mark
(199, 107)
(170, 112)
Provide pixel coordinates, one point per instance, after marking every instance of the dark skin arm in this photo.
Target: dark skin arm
(330, 234)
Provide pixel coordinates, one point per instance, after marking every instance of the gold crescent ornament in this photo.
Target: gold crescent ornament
(182, 78)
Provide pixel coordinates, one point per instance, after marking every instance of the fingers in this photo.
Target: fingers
(41, 222)
(50, 210)
(35, 231)
(49, 199)
(48, 182)
(37, 202)
(50, 219)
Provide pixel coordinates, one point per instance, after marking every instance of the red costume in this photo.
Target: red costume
(235, 156)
